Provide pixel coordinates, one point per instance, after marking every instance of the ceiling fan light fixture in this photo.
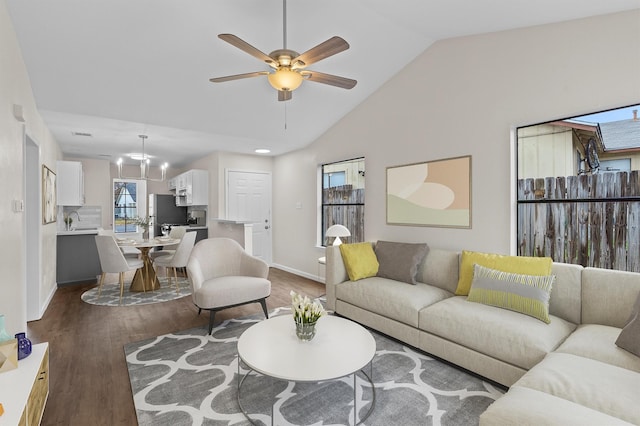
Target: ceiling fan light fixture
(285, 79)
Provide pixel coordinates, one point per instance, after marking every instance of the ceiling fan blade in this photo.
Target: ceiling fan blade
(246, 47)
(325, 49)
(238, 76)
(284, 95)
(333, 80)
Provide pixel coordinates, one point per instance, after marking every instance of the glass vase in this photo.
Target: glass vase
(3, 333)
(305, 330)
(24, 346)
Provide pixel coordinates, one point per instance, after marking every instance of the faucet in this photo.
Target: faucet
(69, 220)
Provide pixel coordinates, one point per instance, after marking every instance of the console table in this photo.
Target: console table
(24, 390)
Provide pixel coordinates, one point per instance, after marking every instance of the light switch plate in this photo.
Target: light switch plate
(18, 206)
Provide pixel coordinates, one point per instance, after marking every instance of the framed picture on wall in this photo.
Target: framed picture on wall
(49, 202)
(432, 193)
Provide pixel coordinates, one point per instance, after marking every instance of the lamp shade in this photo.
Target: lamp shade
(285, 79)
(337, 231)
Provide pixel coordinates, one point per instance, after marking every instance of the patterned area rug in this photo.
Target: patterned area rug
(110, 295)
(189, 378)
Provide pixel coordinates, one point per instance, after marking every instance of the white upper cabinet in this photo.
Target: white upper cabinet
(70, 183)
(191, 188)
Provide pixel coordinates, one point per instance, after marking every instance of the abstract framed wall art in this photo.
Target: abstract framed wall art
(49, 202)
(433, 193)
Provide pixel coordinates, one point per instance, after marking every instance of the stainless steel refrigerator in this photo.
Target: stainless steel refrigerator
(163, 210)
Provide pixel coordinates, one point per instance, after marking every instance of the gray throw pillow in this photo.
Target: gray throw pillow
(629, 338)
(400, 261)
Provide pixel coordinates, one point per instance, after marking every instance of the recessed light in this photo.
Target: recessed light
(262, 151)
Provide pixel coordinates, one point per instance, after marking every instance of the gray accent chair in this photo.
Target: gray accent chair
(223, 275)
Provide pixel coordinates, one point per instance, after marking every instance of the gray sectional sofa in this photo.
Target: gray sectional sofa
(569, 371)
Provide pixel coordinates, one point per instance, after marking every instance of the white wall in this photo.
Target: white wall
(15, 88)
(462, 96)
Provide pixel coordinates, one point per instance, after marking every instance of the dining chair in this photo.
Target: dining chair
(112, 260)
(223, 275)
(129, 252)
(177, 232)
(179, 258)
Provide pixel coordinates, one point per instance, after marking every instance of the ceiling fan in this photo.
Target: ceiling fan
(289, 67)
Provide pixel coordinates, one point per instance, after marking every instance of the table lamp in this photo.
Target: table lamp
(337, 231)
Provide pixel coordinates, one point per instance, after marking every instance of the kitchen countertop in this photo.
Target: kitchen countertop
(79, 232)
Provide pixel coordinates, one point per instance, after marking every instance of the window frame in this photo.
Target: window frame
(141, 204)
(322, 220)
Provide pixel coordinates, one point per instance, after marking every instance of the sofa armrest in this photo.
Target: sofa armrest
(336, 273)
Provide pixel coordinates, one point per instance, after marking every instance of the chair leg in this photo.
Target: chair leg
(212, 316)
(175, 275)
(101, 282)
(167, 273)
(121, 285)
(263, 303)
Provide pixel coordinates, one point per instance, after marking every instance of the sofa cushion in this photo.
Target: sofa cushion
(508, 336)
(399, 261)
(359, 260)
(529, 407)
(440, 268)
(594, 384)
(527, 294)
(608, 296)
(390, 298)
(566, 294)
(629, 338)
(518, 264)
(598, 342)
(231, 290)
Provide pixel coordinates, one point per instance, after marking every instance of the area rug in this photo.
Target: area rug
(110, 295)
(189, 378)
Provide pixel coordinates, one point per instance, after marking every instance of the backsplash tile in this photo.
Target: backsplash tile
(90, 217)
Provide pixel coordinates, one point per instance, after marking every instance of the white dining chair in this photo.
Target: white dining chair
(179, 259)
(112, 260)
(176, 233)
(129, 252)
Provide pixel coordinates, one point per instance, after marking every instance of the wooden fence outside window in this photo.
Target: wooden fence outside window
(591, 220)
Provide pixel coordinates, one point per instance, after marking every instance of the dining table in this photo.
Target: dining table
(145, 278)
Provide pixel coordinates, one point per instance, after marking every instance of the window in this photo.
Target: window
(343, 198)
(578, 189)
(128, 203)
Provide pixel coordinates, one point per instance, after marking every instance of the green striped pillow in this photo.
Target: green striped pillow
(527, 294)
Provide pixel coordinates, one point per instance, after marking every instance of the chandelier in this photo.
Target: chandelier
(144, 165)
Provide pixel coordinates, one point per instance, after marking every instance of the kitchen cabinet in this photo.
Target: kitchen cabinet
(192, 188)
(70, 183)
(24, 391)
(77, 258)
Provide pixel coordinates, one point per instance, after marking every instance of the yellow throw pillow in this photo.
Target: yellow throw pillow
(360, 260)
(517, 264)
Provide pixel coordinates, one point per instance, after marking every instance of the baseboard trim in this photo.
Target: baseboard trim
(298, 272)
(46, 303)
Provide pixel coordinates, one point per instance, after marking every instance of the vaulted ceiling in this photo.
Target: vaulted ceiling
(120, 68)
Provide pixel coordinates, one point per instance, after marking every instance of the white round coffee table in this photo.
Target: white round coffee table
(340, 348)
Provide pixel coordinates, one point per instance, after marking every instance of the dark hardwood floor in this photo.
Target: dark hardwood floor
(89, 382)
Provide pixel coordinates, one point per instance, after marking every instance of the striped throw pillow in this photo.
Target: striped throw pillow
(527, 294)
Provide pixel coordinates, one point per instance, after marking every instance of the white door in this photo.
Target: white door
(249, 199)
